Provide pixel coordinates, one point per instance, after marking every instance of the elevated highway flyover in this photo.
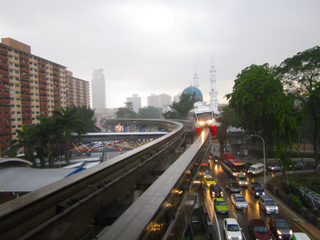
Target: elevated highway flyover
(86, 205)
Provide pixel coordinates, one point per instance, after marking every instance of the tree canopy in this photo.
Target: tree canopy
(181, 109)
(127, 111)
(149, 112)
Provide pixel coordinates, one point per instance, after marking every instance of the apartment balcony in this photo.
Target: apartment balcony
(42, 91)
(5, 115)
(22, 75)
(43, 86)
(4, 100)
(6, 130)
(4, 79)
(5, 137)
(43, 81)
(44, 114)
(41, 74)
(5, 108)
(4, 57)
(6, 94)
(43, 109)
(43, 97)
(24, 71)
(25, 57)
(25, 102)
(26, 115)
(4, 71)
(3, 86)
(56, 78)
(5, 123)
(24, 89)
(3, 50)
(26, 121)
(4, 64)
(25, 108)
(27, 96)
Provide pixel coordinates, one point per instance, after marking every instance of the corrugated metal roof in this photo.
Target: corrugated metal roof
(26, 179)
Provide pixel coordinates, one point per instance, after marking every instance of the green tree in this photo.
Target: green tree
(86, 116)
(181, 109)
(49, 134)
(300, 75)
(126, 112)
(149, 113)
(71, 122)
(26, 141)
(263, 108)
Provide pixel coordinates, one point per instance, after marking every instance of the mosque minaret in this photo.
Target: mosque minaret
(213, 89)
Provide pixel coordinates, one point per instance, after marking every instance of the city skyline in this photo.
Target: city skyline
(153, 47)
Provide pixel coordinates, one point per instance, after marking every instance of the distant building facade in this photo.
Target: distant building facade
(31, 86)
(159, 101)
(98, 86)
(136, 102)
(77, 91)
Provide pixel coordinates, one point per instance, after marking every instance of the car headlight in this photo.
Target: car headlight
(263, 193)
(209, 121)
(268, 209)
(279, 232)
(257, 193)
(277, 208)
(208, 184)
(201, 123)
(290, 232)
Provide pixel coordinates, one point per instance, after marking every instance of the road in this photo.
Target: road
(242, 216)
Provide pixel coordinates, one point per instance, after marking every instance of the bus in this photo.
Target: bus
(231, 165)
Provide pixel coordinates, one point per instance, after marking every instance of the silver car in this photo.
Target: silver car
(242, 180)
(239, 201)
(267, 204)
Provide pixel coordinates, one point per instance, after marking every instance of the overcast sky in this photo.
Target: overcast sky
(150, 47)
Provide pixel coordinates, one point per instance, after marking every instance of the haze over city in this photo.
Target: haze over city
(150, 47)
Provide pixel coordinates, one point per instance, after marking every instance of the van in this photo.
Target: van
(300, 236)
(256, 169)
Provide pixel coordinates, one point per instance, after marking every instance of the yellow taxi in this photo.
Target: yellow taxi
(208, 180)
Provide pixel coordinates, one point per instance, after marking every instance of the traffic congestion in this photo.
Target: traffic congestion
(242, 209)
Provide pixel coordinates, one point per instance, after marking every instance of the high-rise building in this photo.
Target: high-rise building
(30, 86)
(159, 101)
(98, 85)
(213, 89)
(77, 91)
(136, 102)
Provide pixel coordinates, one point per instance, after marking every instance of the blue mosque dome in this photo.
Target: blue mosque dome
(191, 90)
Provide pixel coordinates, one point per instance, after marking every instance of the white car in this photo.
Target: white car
(242, 180)
(239, 201)
(232, 229)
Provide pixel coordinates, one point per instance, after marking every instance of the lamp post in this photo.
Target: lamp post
(264, 157)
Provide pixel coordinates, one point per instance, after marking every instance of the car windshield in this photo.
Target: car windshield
(270, 203)
(204, 116)
(258, 188)
(215, 188)
(260, 229)
(242, 178)
(233, 227)
(234, 184)
(209, 179)
(240, 199)
(221, 203)
(282, 224)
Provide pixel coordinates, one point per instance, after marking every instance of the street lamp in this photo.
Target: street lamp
(264, 157)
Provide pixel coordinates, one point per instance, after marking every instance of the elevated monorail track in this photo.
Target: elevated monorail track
(71, 207)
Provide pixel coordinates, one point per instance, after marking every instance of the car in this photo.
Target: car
(220, 206)
(274, 168)
(299, 165)
(279, 227)
(242, 180)
(300, 236)
(208, 174)
(256, 189)
(256, 169)
(258, 229)
(232, 229)
(216, 190)
(239, 201)
(233, 186)
(209, 181)
(216, 159)
(267, 204)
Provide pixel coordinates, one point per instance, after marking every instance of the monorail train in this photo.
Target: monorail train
(201, 116)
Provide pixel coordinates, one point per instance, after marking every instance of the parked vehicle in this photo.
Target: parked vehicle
(242, 180)
(232, 229)
(277, 167)
(258, 229)
(233, 186)
(216, 190)
(220, 206)
(300, 236)
(267, 204)
(239, 201)
(279, 227)
(256, 189)
(299, 165)
(256, 169)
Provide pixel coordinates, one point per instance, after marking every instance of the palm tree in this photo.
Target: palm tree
(49, 133)
(71, 122)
